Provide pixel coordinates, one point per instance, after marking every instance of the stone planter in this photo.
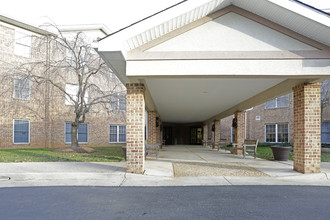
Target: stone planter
(281, 152)
(124, 149)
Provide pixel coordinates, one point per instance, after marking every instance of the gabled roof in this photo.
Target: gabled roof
(290, 14)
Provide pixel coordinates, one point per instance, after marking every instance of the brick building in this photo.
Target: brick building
(39, 115)
(198, 62)
(273, 122)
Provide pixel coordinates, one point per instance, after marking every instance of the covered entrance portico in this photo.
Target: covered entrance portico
(201, 61)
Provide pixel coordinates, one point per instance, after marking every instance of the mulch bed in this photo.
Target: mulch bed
(214, 169)
(70, 150)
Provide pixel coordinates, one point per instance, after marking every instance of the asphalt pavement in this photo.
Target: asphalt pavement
(169, 202)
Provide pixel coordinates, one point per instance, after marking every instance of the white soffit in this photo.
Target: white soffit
(286, 13)
(198, 99)
(160, 24)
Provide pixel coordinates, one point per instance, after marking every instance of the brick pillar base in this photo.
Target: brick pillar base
(152, 136)
(239, 131)
(205, 135)
(158, 133)
(216, 132)
(307, 128)
(135, 133)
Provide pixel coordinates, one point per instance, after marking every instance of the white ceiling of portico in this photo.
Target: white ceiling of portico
(197, 99)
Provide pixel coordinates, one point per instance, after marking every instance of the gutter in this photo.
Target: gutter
(25, 26)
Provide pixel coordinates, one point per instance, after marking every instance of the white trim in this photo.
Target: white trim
(77, 134)
(276, 132)
(19, 77)
(15, 23)
(276, 102)
(117, 142)
(147, 127)
(14, 131)
(26, 34)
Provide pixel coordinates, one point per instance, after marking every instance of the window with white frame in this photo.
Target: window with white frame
(118, 102)
(280, 102)
(277, 133)
(72, 94)
(325, 132)
(117, 133)
(232, 135)
(21, 131)
(82, 133)
(22, 44)
(22, 88)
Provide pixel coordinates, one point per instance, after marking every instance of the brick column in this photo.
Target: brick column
(307, 128)
(135, 123)
(240, 130)
(216, 132)
(158, 136)
(205, 134)
(152, 132)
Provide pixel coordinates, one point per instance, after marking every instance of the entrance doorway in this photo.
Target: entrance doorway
(168, 135)
(196, 135)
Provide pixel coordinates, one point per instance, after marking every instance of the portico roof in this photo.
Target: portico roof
(203, 60)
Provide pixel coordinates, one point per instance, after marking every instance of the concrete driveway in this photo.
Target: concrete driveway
(199, 166)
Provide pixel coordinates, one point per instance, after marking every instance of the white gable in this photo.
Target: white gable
(232, 32)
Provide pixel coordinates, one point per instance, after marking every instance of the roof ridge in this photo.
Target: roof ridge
(312, 7)
(172, 6)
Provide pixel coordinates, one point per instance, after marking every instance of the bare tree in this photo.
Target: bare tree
(71, 69)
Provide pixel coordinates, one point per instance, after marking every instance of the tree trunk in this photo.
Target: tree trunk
(74, 135)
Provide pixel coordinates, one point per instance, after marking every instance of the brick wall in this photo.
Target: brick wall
(240, 130)
(217, 132)
(225, 127)
(205, 134)
(255, 129)
(46, 109)
(135, 128)
(307, 128)
(152, 132)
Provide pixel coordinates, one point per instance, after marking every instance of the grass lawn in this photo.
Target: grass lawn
(266, 153)
(104, 154)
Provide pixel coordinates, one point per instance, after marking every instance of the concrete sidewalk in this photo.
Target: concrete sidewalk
(158, 172)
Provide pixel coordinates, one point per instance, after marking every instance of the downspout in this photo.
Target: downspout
(47, 95)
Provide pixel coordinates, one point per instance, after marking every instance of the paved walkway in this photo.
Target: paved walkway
(158, 172)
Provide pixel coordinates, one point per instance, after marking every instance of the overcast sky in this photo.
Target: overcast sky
(115, 14)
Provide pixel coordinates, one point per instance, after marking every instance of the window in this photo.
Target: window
(270, 133)
(21, 88)
(82, 133)
(118, 102)
(117, 133)
(72, 91)
(232, 135)
(21, 131)
(277, 133)
(280, 102)
(22, 44)
(325, 132)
